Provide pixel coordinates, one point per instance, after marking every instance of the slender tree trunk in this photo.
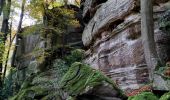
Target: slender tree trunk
(6, 8)
(147, 30)
(63, 33)
(1, 5)
(6, 14)
(8, 52)
(65, 2)
(21, 16)
(63, 45)
(45, 21)
(11, 40)
(18, 31)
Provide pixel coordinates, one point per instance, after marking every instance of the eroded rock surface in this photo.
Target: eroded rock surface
(109, 12)
(114, 43)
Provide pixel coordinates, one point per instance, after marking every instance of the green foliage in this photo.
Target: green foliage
(44, 85)
(160, 71)
(2, 48)
(55, 4)
(61, 67)
(33, 29)
(76, 55)
(57, 22)
(52, 96)
(81, 77)
(164, 22)
(77, 79)
(8, 86)
(70, 98)
(30, 93)
(36, 9)
(159, 64)
(166, 96)
(144, 96)
(60, 19)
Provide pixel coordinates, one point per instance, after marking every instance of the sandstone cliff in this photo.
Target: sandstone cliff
(112, 37)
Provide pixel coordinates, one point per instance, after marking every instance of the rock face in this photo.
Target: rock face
(36, 52)
(105, 15)
(113, 40)
(29, 48)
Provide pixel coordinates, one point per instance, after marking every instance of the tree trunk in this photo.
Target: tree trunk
(6, 13)
(65, 2)
(1, 6)
(6, 8)
(45, 21)
(11, 41)
(21, 16)
(147, 30)
(18, 31)
(8, 52)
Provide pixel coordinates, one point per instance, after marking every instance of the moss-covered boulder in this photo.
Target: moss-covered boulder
(43, 85)
(166, 96)
(81, 79)
(144, 96)
(80, 82)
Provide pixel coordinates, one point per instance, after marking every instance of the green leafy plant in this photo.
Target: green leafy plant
(61, 67)
(76, 55)
(8, 86)
(2, 48)
(32, 29)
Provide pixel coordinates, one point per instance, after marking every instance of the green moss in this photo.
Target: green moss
(70, 98)
(76, 55)
(52, 96)
(30, 93)
(166, 96)
(144, 96)
(61, 67)
(8, 86)
(81, 77)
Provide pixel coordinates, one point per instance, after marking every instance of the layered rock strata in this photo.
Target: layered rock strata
(113, 40)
